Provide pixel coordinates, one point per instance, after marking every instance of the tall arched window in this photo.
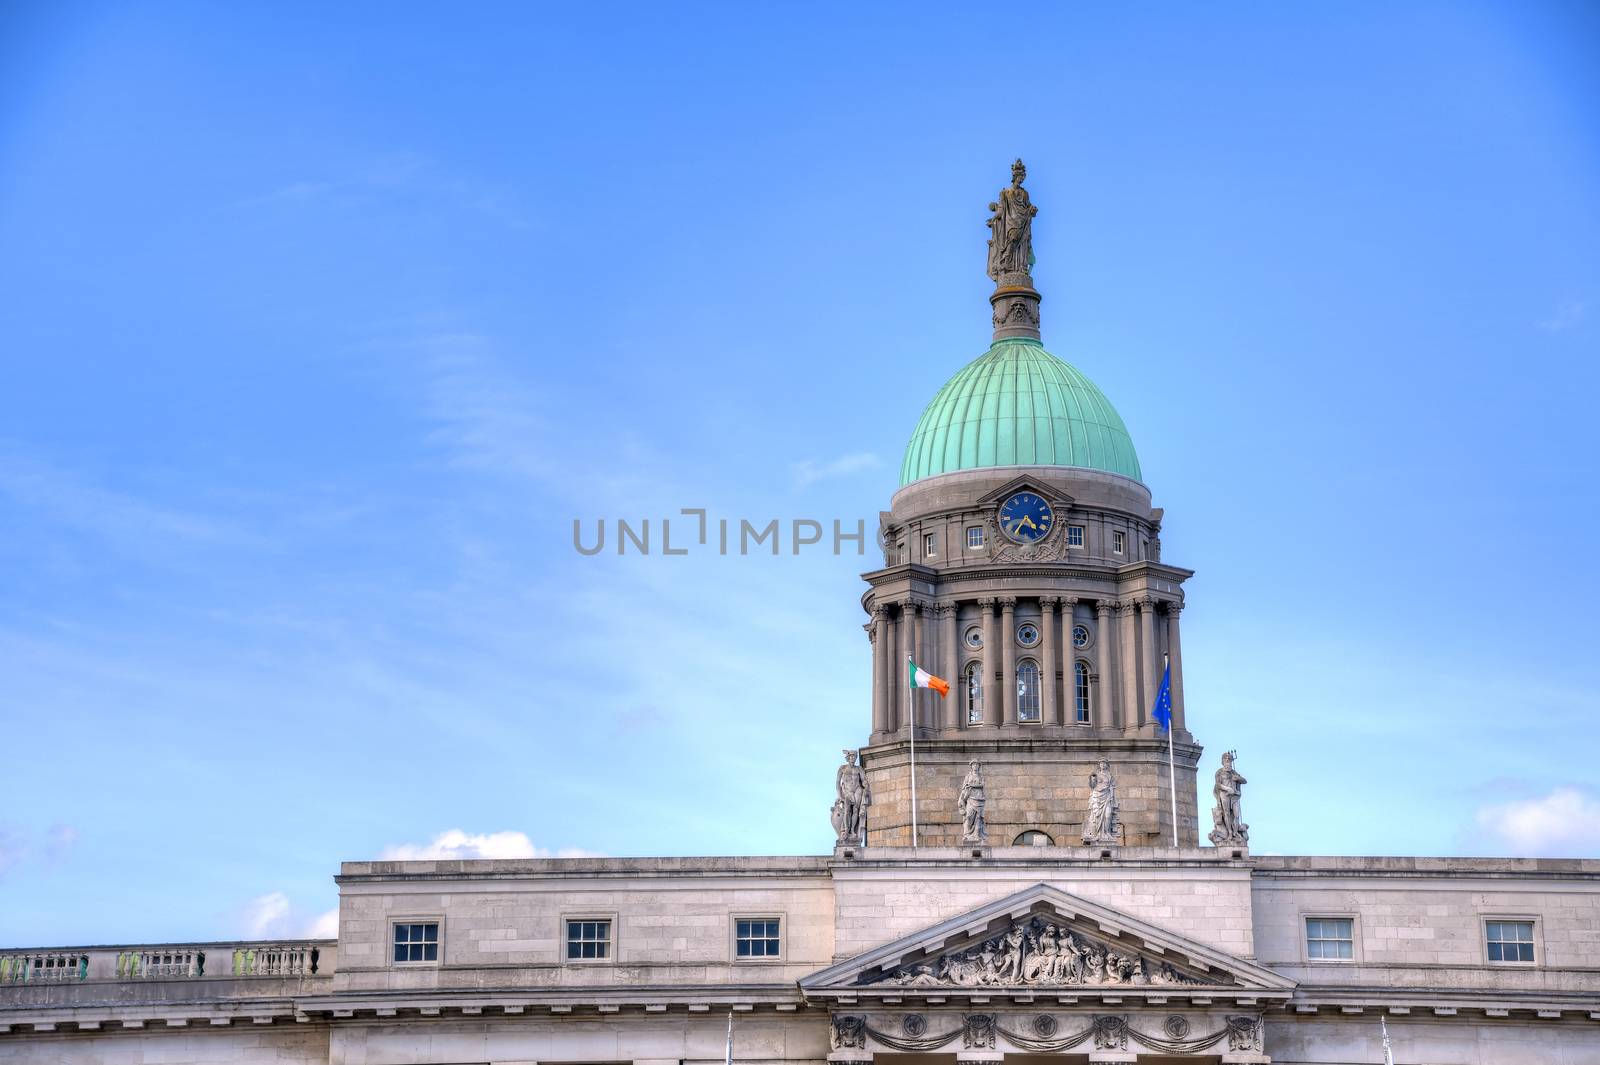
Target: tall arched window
(1027, 690)
(1080, 692)
(975, 693)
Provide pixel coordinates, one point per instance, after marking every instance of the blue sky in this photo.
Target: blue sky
(321, 325)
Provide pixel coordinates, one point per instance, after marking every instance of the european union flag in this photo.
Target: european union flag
(1163, 709)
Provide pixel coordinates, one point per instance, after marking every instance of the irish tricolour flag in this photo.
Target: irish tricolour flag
(921, 678)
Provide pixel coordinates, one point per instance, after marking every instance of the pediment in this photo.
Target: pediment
(1055, 497)
(1042, 939)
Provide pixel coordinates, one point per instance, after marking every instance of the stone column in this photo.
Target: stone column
(1128, 660)
(1151, 657)
(1105, 646)
(1175, 649)
(950, 665)
(1047, 636)
(992, 703)
(1008, 657)
(880, 651)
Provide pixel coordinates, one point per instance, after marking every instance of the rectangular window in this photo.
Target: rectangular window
(974, 537)
(1074, 535)
(588, 940)
(416, 941)
(1510, 940)
(756, 937)
(1080, 692)
(1330, 938)
(1117, 540)
(928, 543)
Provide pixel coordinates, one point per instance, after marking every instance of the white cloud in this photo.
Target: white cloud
(265, 915)
(455, 843)
(1564, 823)
(1565, 317)
(810, 472)
(326, 926)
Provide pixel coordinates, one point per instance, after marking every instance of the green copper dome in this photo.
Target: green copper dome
(1018, 405)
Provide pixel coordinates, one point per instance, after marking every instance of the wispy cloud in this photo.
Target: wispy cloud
(1564, 823)
(457, 844)
(1569, 314)
(264, 915)
(18, 846)
(326, 925)
(811, 471)
(399, 176)
(119, 517)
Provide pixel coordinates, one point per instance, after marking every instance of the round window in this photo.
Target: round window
(1027, 634)
(974, 637)
(1080, 636)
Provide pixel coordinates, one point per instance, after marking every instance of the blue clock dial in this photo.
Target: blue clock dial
(1026, 517)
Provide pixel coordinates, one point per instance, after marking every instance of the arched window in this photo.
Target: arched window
(1080, 692)
(1028, 690)
(1033, 838)
(975, 693)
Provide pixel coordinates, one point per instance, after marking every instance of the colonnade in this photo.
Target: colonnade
(1124, 660)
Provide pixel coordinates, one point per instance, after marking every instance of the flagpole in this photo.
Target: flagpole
(1172, 772)
(911, 721)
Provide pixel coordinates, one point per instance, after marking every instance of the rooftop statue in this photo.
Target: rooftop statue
(1011, 245)
(850, 808)
(1230, 830)
(970, 804)
(1100, 826)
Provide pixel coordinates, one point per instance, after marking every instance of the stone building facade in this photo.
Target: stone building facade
(1058, 904)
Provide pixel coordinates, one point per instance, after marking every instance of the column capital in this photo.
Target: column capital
(1008, 602)
(944, 610)
(987, 602)
(1174, 607)
(1106, 606)
(1048, 601)
(1128, 605)
(880, 611)
(1069, 601)
(1148, 601)
(912, 606)
(872, 633)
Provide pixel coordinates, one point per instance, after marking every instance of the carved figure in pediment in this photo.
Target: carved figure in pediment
(1037, 952)
(1041, 960)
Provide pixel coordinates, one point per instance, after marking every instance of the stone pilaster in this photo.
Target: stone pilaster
(916, 710)
(1008, 658)
(1050, 659)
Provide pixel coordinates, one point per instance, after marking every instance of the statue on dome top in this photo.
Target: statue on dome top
(1011, 245)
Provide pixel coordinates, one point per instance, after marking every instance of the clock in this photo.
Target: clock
(1026, 517)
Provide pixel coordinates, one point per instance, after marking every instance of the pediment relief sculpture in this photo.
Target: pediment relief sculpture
(1039, 952)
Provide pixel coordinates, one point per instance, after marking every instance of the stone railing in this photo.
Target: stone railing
(202, 961)
(44, 966)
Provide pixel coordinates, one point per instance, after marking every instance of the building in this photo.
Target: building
(1035, 887)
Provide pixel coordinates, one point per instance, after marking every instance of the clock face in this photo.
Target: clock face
(1026, 517)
